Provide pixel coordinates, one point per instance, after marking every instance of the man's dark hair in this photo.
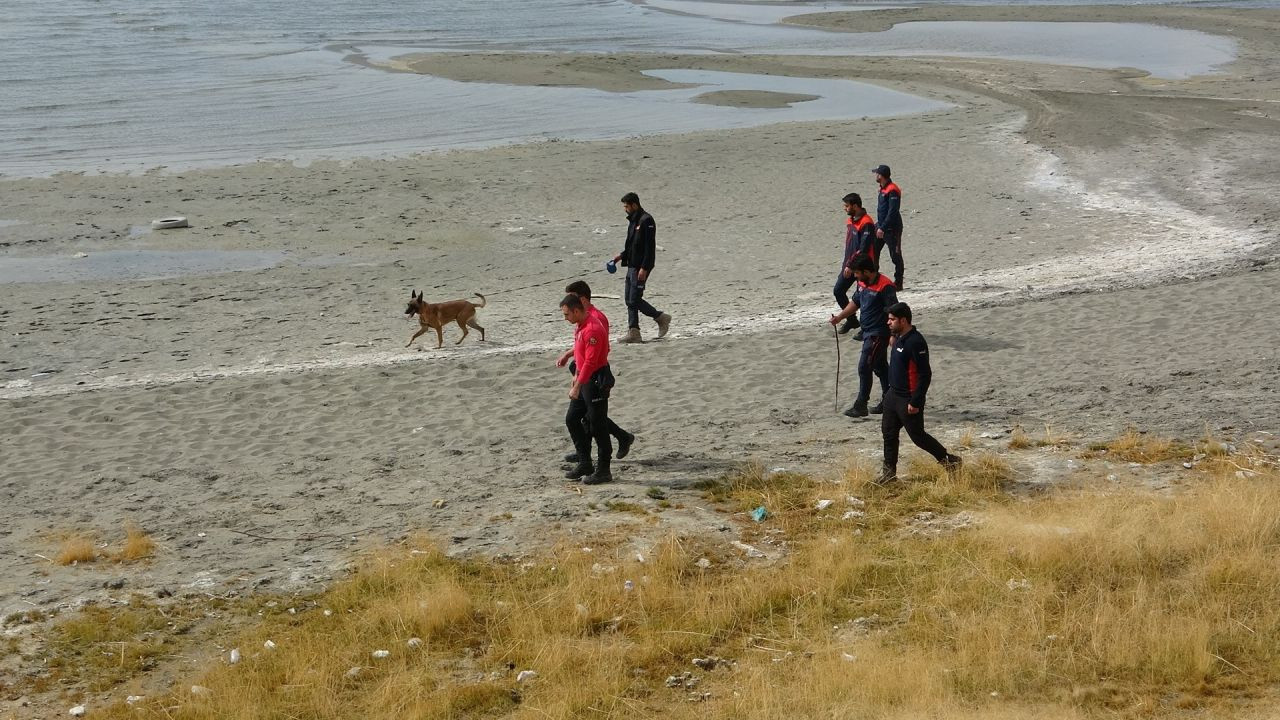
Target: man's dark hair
(579, 288)
(631, 198)
(900, 310)
(853, 199)
(571, 301)
(863, 262)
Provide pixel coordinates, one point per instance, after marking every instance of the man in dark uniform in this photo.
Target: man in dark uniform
(588, 415)
(638, 255)
(909, 376)
(873, 297)
(624, 438)
(889, 220)
(859, 239)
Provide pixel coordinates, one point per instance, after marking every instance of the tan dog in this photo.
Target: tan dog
(435, 315)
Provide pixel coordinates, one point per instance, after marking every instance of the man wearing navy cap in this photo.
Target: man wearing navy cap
(889, 220)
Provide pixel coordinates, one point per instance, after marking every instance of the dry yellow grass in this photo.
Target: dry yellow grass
(1020, 440)
(1068, 605)
(1133, 446)
(76, 549)
(137, 545)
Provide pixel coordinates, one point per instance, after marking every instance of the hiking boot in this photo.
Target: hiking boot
(857, 409)
(878, 408)
(848, 325)
(571, 458)
(887, 475)
(624, 445)
(632, 336)
(952, 464)
(858, 336)
(664, 324)
(579, 470)
(599, 477)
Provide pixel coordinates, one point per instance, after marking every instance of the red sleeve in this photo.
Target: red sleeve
(593, 346)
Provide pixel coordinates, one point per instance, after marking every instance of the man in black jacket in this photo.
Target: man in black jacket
(638, 256)
(909, 376)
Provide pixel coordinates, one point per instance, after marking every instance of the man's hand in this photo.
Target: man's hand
(848, 273)
(879, 233)
(564, 359)
(617, 258)
(573, 392)
(641, 275)
(834, 320)
(912, 409)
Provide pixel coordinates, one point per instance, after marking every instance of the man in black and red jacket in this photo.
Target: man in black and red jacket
(889, 220)
(872, 298)
(909, 377)
(859, 239)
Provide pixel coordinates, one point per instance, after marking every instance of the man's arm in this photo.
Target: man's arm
(646, 240)
(595, 356)
(866, 241)
(919, 356)
(892, 207)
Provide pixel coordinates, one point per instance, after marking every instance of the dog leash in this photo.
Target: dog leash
(576, 276)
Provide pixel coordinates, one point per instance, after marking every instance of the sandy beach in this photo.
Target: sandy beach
(1086, 249)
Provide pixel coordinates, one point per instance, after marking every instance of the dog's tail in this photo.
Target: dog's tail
(482, 300)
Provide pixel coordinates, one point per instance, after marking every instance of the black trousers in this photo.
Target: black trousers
(633, 295)
(873, 361)
(614, 430)
(894, 419)
(841, 289)
(893, 241)
(587, 420)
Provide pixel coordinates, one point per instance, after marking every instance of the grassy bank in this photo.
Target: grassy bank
(935, 597)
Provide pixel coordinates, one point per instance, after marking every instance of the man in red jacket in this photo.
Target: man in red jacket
(624, 438)
(589, 393)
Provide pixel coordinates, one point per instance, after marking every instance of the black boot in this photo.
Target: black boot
(600, 476)
(888, 474)
(571, 457)
(580, 470)
(952, 463)
(857, 409)
(848, 325)
(878, 408)
(624, 445)
(858, 336)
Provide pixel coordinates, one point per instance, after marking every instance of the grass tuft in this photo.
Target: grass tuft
(138, 545)
(1133, 446)
(76, 549)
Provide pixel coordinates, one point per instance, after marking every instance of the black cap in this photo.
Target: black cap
(881, 170)
(900, 310)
